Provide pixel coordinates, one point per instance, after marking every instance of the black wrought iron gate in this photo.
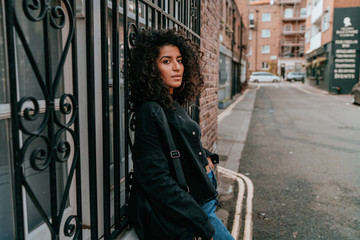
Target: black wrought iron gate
(56, 145)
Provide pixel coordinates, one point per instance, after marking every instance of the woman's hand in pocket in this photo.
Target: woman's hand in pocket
(210, 165)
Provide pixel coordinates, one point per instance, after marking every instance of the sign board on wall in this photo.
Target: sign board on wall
(346, 48)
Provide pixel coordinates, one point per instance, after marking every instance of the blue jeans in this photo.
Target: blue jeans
(221, 233)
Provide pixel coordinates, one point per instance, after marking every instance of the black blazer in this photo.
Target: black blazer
(156, 176)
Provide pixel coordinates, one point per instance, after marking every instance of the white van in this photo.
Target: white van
(263, 77)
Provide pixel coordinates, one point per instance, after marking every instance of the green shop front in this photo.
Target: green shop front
(335, 66)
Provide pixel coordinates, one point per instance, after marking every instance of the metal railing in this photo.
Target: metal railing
(292, 42)
(289, 1)
(53, 138)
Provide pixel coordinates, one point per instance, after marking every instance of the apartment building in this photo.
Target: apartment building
(232, 48)
(332, 44)
(292, 40)
(264, 35)
(276, 36)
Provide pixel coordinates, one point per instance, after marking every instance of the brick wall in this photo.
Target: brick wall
(228, 36)
(257, 41)
(326, 36)
(346, 3)
(210, 18)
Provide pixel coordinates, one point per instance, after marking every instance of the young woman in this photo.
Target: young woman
(164, 74)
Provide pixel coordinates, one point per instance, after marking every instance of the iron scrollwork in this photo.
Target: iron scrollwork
(32, 5)
(71, 229)
(132, 32)
(57, 13)
(54, 132)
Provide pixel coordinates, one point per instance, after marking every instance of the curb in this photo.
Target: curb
(244, 183)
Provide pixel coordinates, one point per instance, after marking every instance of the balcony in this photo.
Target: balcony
(316, 12)
(291, 43)
(289, 1)
(293, 32)
(293, 18)
(291, 55)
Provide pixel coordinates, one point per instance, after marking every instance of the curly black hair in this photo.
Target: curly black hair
(145, 81)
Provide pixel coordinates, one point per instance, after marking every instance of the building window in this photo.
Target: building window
(307, 35)
(326, 20)
(265, 33)
(264, 66)
(251, 16)
(250, 51)
(265, 49)
(302, 27)
(266, 17)
(250, 34)
(303, 12)
(288, 13)
(288, 28)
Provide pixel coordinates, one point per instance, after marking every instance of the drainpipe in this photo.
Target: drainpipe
(256, 40)
(232, 52)
(241, 42)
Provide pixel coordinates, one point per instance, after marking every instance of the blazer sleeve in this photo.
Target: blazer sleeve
(153, 173)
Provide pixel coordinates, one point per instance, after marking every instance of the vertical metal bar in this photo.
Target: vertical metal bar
(199, 20)
(147, 16)
(116, 105)
(182, 8)
(105, 117)
(50, 124)
(186, 13)
(137, 12)
(175, 8)
(91, 118)
(126, 106)
(160, 23)
(192, 15)
(76, 123)
(180, 11)
(164, 23)
(18, 169)
(153, 20)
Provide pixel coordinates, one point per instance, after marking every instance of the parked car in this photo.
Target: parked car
(295, 76)
(263, 77)
(355, 93)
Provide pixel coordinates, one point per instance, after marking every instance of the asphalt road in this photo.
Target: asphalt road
(302, 154)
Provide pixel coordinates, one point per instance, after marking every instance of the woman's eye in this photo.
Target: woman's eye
(180, 61)
(166, 62)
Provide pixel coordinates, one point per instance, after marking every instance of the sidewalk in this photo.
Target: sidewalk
(233, 125)
(315, 90)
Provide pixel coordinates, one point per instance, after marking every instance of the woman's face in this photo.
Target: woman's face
(169, 63)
